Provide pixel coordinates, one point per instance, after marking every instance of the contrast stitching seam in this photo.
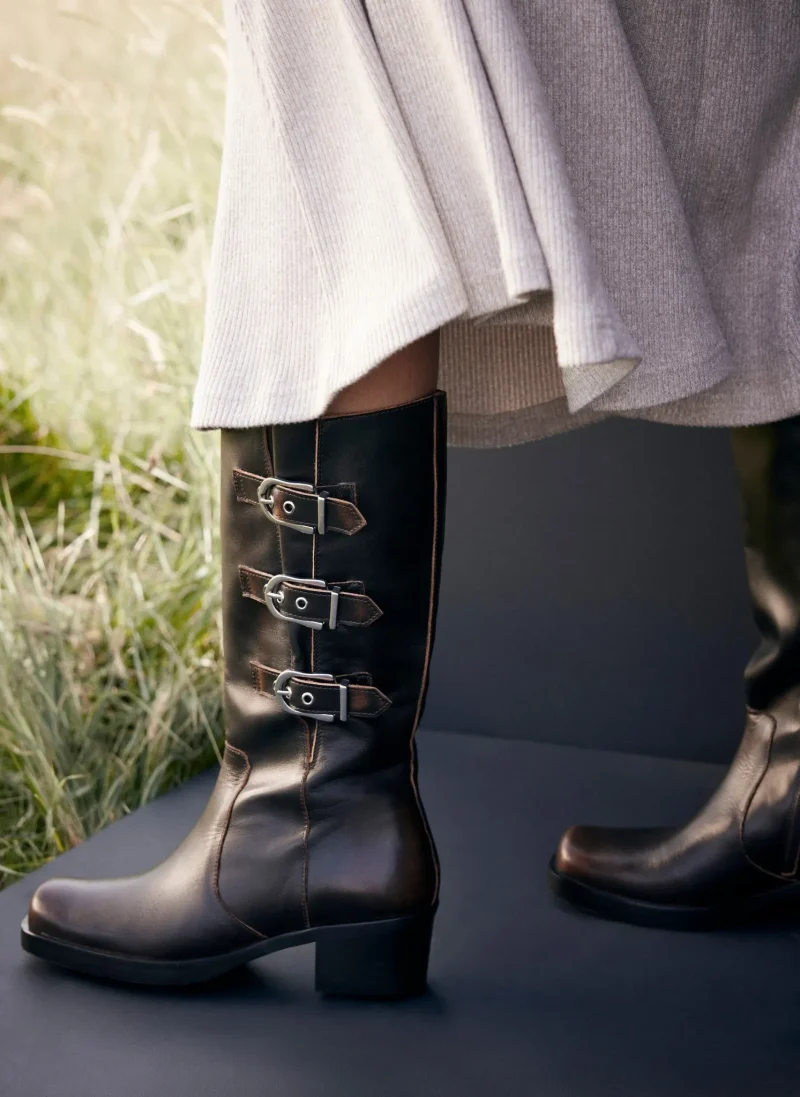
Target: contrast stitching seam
(237, 483)
(310, 746)
(217, 867)
(267, 454)
(427, 659)
(749, 802)
(791, 835)
(307, 827)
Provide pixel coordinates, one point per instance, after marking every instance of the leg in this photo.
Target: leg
(408, 375)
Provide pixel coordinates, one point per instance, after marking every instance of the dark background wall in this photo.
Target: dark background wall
(594, 593)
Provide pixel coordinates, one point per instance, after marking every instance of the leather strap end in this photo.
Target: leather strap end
(366, 702)
(353, 607)
(341, 514)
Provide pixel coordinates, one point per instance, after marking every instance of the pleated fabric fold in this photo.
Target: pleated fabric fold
(389, 169)
(596, 202)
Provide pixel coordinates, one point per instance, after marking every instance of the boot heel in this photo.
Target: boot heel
(383, 960)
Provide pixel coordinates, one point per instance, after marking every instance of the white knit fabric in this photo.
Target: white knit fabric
(595, 201)
(388, 169)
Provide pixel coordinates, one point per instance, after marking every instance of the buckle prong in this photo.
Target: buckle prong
(274, 596)
(333, 616)
(321, 524)
(267, 503)
(283, 692)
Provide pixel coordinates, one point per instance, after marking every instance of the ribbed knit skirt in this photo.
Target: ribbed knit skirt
(597, 202)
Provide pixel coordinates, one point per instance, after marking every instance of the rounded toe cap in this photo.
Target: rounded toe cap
(576, 852)
(48, 910)
(55, 909)
(626, 860)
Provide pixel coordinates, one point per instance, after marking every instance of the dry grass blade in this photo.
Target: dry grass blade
(110, 119)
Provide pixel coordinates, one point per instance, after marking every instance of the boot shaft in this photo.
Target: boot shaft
(332, 538)
(768, 468)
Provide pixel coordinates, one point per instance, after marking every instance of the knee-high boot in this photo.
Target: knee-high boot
(742, 851)
(332, 533)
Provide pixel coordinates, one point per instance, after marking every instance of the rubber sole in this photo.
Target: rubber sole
(386, 959)
(619, 908)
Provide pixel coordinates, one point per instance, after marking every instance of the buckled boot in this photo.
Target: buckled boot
(315, 832)
(741, 854)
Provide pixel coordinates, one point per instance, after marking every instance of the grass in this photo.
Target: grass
(110, 125)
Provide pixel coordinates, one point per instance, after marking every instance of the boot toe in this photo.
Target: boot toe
(55, 910)
(95, 914)
(591, 855)
(611, 859)
(575, 853)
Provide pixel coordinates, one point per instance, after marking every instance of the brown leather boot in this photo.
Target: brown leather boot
(332, 536)
(741, 854)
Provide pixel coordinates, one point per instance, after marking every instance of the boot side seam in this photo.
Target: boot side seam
(790, 836)
(267, 455)
(307, 824)
(270, 467)
(311, 740)
(218, 862)
(426, 664)
(749, 802)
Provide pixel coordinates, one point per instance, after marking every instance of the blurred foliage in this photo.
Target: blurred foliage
(110, 125)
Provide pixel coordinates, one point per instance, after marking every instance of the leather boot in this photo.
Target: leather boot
(741, 854)
(332, 535)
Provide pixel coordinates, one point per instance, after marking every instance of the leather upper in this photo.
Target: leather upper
(170, 913)
(312, 822)
(746, 840)
(700, 864)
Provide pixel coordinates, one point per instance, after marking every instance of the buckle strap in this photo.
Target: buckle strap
(319, 696)
(301, 506)
(310, 602)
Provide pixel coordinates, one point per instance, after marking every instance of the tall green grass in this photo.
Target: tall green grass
(110, 121)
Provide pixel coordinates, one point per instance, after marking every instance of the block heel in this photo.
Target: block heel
(380, 960)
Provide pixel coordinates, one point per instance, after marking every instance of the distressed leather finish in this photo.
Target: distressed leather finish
(311, 823)
(353, 606)
(746, 840)
(290, 505)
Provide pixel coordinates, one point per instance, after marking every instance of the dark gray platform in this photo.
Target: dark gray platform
(525, 999)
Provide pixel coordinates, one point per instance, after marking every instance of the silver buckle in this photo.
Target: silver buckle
(284, 692)
(267, 503)
(274, 597)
